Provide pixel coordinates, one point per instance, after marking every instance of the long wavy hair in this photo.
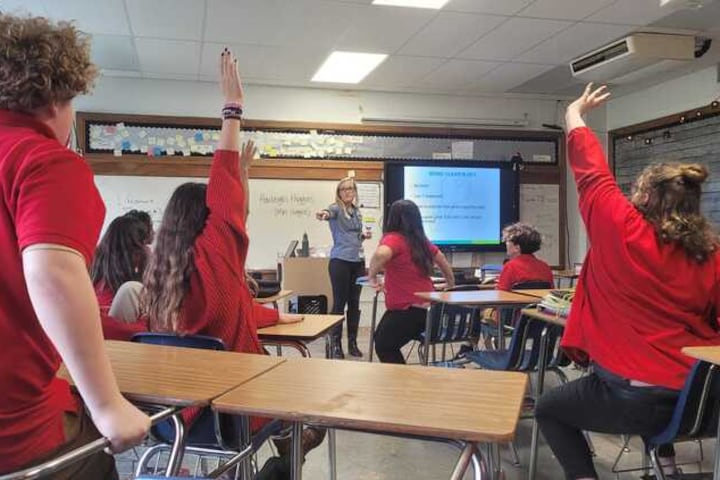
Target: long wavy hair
(167, 278)
(121, 255)
(405, 219)
(668, 196)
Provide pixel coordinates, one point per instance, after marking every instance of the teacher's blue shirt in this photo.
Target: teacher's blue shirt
(346, 232)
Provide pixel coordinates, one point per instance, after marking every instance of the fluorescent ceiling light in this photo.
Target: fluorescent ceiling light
(436, 4)
(348, 67)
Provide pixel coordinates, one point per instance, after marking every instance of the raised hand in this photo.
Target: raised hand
(230, 82)
(590, 99)
(247, 154)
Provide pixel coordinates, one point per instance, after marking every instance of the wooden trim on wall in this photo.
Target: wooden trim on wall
(668, 120)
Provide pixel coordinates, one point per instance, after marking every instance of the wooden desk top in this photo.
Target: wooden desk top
(478, 297)
(544, 316)
(466, 404)
(708, 354)
(179, 376)
(313, 327)
(541, 292)
(275, 298)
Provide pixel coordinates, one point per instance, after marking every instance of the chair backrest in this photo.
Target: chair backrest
(453, 323)
(187, 341)
(531, 284)
(464, 288)
(208, 429)
(310, 304)
(696, 411)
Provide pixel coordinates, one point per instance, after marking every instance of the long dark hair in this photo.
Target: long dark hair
(144, 217)
(668, 196)
(121, 255)
(167, 277)
(405, 219)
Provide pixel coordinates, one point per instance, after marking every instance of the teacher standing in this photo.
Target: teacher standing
(346, 261)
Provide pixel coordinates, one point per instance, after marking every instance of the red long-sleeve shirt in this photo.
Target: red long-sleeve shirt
(638, 300)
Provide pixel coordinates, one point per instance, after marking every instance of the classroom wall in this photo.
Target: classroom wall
(169, 97)
(683, 93)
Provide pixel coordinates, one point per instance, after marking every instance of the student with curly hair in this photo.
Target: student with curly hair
(649, 287)
(50, 220)
(521, 242)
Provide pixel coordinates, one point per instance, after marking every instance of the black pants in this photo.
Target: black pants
(600, 402)
(343, 275)
(396, 328)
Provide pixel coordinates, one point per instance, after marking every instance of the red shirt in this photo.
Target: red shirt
(524, 268)
(402, 277)
(638, 301)
(48, 196)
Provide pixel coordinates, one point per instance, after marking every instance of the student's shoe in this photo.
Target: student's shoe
(462, 351)
(311, 438)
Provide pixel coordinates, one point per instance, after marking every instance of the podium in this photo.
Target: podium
(307, 276)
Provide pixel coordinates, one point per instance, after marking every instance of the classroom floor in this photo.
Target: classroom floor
(374, 457)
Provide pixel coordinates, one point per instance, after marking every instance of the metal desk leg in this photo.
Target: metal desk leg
(178, 448)
(716, 469)
(332, 454)
(297, 460)
(245, 465)
(372, 327)
(463, 462)
(428, 332)
(497, 471)
(532, 467)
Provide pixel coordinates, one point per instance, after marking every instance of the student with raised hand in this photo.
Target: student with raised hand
(346, 262)
(407, 257)
(633, 311)
(195, 283)
(51, 217)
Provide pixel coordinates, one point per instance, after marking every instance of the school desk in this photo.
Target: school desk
(181, 377)
(298, 335)
(472, 406)
(548, 319)
(711, 355)
(274, 299)
(498, 299)
(570, 275)
(541, 292)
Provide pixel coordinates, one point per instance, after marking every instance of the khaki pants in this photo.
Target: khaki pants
(79, 431)
(126, 304)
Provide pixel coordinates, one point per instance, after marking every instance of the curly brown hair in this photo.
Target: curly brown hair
(42, 62)
(524, 236)
(668, 196)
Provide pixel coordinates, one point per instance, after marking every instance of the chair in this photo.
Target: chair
(448, 324)
(695, 415)
(211, 434)
(310, 304)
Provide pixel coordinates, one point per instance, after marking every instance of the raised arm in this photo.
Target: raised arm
(602, 204)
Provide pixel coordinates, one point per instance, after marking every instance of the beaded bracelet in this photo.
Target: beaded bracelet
(232, 112)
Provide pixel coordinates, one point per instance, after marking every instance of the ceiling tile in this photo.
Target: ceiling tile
(262, 61)
(400, 70)
(630, 12)
(558, 79)
(168, 56)
(449, 33)
(705, 18)
(114, 52)
(381, 29)
(181, 19)
(512, 38)
(279, 22)
(563, 9)
(457, 74)
(106, 17)
(508, 76)
(577, 40)
(497, 7)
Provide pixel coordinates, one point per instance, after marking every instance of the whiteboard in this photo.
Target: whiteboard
(540, 206)
(280, 210)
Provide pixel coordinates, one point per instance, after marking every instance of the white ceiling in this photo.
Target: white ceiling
(468, 47)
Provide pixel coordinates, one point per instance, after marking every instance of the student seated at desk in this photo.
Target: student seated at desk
(120, 257)
(407, 257)
(649, 286)
(521, 242)
(195, 283)
(51, 217)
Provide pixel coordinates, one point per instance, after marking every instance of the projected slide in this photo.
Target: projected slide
(458, 205)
